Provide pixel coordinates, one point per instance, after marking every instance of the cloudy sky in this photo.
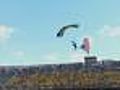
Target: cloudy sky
(28, 28)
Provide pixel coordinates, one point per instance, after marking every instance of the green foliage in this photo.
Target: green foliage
(69, 79)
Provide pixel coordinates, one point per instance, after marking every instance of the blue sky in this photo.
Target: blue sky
(28, 28)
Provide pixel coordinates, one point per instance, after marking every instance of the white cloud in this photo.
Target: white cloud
(70, 57)
(110, 31)
(76, 57)
(51, 56)
(5, 32)
(18, 53)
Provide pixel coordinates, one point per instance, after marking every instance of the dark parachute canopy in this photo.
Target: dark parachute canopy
(64, 28)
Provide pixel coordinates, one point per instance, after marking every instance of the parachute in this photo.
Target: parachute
(86, 41)
(63, 29)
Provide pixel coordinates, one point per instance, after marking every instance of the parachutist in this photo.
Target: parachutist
(74, 44)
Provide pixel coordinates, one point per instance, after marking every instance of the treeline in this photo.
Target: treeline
(81, 79)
